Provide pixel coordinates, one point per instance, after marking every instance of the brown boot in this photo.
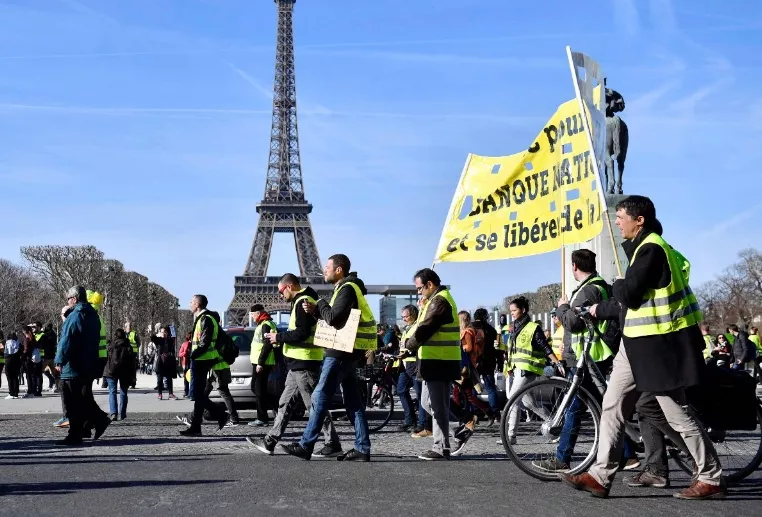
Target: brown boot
(585, 482)
(700, 490)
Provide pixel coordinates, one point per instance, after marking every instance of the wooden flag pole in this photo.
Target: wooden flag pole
(613, 246)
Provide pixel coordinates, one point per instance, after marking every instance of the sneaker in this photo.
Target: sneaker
(424, 433)
(294, 449)
(62, 422)
(172, 397)
(551, 465)
(461, 439)
(646, 478)
(408, 428)
(434, 455)
(631, 464)
(190, 433)
(183, 420)
(354, 455)
(257, 423)
(499, 442)
(112, 417)
(329, 451)
(262, 444)
(10, 397)
(160, 397)
(231, 423)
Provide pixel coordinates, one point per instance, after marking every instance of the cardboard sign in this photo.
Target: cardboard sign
(342, 339)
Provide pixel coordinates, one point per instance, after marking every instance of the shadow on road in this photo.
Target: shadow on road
(69, 487)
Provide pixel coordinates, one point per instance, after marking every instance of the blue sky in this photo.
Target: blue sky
(142, 127)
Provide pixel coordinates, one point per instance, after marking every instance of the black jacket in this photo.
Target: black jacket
(120, 362)
(439, 313)
(743, 349)
(336, 315)
(305, 323)
(662, 362)
(488, 360)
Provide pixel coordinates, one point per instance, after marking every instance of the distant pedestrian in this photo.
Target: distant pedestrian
(120, 369)
(33, 363)
(185, 361)
(166, 362)
(12, 353)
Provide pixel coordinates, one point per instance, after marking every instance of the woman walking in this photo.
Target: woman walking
(120, 369)
(166, 362)
(12, 365)
(185, 351)
(33, 362)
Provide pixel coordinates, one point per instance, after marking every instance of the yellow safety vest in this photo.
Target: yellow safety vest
(103, 343)
(211, 353)
(668, 309)
(444, 345)
(709, 346)
(523, 355)
(502, 345)
(304, 351)
(258, 343)
(599, 350)
(730, 337)
(366, 330)
(133, 341)
(38, 338)
(405, 336)
(754, 338)
(558, 341)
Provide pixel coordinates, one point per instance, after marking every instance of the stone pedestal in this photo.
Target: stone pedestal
(606, 257)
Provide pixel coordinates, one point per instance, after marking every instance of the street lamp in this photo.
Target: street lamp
(111, 272)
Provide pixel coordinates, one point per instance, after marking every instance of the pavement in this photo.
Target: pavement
(141, 466)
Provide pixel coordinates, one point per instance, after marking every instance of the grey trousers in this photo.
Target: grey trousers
(619, 402)
(653, 428)
(435, 400)
(519, 379)
(300, 383)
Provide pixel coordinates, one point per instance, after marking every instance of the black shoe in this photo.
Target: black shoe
(113, 417)
(433, 455)
(329, 451)
(354, 455)
(101, 428)
(263, 444)
(69, 441)
(294, 449)
(190, 433)
(408, 428)
(87, 433)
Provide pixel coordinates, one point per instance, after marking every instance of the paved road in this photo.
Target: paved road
(143, 467)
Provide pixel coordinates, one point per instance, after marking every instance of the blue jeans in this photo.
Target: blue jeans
(337, 371)
(123, 387)
(191, 383)
(488, 381)
(404, 383)
(572, 420)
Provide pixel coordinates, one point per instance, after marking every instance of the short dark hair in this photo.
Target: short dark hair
(733, 327)
(521, 302)
(754, 329)
(637, 206)
(342, 261)
(289, 278)
(584, 259)
(38, 324)
(203, 301)
(481, 314)
(412, 309)
(119, 334)
(427, 275)
(257, 307)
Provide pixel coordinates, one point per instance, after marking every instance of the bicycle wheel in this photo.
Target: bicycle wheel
(537, 444)
(379, 410)
(740, 452)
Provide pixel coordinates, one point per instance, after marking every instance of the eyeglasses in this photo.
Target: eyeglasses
(282, 289)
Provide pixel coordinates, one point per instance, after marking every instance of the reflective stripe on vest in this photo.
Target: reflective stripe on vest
(38, 338)
(599, 350)
(304, 351)
(258, 343)
(444, 345)
(558, 341)
(133, 341)
(103, 343)
(211, 353)
(523, 355)
(666, 309)
(366, 330)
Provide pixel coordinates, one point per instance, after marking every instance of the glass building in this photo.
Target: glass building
(390, 309)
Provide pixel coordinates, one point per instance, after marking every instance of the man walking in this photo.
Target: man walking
(262, 360)
(134, 340)
(436, 342)
(205, 356)
(77, 363)
(303, 361)
(339, 368)
(661, 353)
(488, 360)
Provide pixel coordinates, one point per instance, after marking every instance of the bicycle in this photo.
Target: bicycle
(376, 384)
(557, 394)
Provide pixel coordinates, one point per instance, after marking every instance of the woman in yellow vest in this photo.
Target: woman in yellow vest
(527, 354)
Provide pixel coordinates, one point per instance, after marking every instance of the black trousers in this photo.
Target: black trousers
(12, 371)
(83, 411)
(259, 387)
(222, 378)
(201, 400)
(34, 378)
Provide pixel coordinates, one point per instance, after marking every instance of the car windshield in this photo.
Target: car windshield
(242, 339)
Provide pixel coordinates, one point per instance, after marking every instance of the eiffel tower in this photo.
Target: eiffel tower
(284, 208)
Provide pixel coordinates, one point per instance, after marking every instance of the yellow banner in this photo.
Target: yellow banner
(531, 202)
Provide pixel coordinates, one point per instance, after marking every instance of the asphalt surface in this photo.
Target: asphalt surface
(141, 466)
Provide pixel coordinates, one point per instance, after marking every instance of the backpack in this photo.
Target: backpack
(225, 344)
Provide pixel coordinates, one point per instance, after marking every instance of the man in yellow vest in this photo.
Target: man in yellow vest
(262, 356)
(339, 368)
(661, 353)
(134, 340)
(303, 360)
(407, 372)
(436, 343)
(205, 356)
